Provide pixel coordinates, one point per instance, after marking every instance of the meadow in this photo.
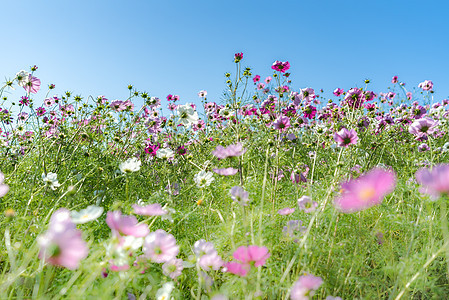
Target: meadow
(269, 193)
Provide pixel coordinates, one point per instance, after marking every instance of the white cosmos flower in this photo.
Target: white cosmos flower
(164, 292)
(203, 179)
(165, 153)
(187, 114)
(88, 214)
(22, 77)
(51, 180)
(130, 165)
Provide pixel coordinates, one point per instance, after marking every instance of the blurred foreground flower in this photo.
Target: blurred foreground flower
(62, 244)
(3, 187)
(149, 210)
(305, 287)
(160, 246)
(366, 191)
(128, 225)
(245, 256)
(232, 150)
(434, 182)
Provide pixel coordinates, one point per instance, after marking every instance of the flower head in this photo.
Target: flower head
(434, 182)
(281, 66)
(88, 214)
(239, 195)
(62, 243)
(230, 151)
(127, 225)
(149, 210)
(226, 171)
(366, 191)
(187, 114)
(130, 165)
(160, 246)
(305, 286)
(345, 137)
(3, 187)
(426, 85)
(51, 180)
(203, 179)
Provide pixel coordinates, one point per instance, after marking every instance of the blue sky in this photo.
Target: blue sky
(182, 47)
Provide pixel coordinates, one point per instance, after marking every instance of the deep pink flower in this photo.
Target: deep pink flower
(160, 246)
(149, 210)
(253, 253)
(344, 137)
(32, 85)
(338, 92)
(238, 57)
(309, 111)
(237, 268)
(305, 287)
(435, 181)
(394, 79)
(256, 78)
(280, 66)
(127, 225)
(366, 191)
(62, 244)
(226, 171)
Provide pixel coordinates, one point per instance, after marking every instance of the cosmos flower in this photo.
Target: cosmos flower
(286, 211)
(149, 210)
(435, 181)
(239, 195)
(173, 268)
(127, 225)
(187, 114)
(245, 257)
(305, 287)
(130, 165)
(203, 179)
(3, 187)
(426, 85)
(88, 214)
(306, 204)
(281, 123)
(160, 246)
(230, 151)
(51, 180)
(226, 171)
(280, 66)
(366, 191)
(62, 244)
(344, 137)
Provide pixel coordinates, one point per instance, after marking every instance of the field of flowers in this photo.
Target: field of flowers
(271, 193)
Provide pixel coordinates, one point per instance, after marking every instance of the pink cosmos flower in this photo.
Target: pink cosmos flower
(210, 261)
(427, 85)
(307, 95)
(256, 78)
(355, 97)
(305, 287)
(338, 92)
(238, 57)
(423, 126)
(280, 66)
(409, 95)
(394, 79)
(281, 123)
(344, 137)
(173, 268)
(202, 94)
(232, 150)
(226, 171)
(260, 86)
(118, 105)
(32, 84)
(306, 204)
(239, 195)
(268, 80)
(245, 256)
(366, 191)
(309, 111)
(3, 187)
(149, 210)
(127, 225)
(286, 211)
(160, 246)
(435, 181)
(62, 244)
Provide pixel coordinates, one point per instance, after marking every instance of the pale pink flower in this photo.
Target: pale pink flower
(32, 84)
(3, 187)
(306, 204)
(286, 211)
(226, 171)
(281, 123)
(62, 244)
(173, 268)
(268, 79)
(230, 151)
(160, 246)
(149, 210)
(366, 191)
(239, 195)
(127, 225)
(305, 287)
(427, 85)
(434, 182)
(210, 261)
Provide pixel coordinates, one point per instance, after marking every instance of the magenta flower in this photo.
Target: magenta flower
(280, 66)
(434, 182)
(409, 95)
(394, 79)
(309, 111)
(355, 97)
(256, 78)
(238, 57)
(281, 123)
(160, 246)
(286, 211)
(307, 95)
(127, 225)
(232, 150)
(338, 92)
(305, 287)
(427, 85)
(32, 84)
(237, 268)
(62, 244)
(344, 137)
(149, 210)
(226, 171)
(3, 187)
(366, 191)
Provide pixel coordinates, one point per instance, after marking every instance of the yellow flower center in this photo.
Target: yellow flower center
(367, 194)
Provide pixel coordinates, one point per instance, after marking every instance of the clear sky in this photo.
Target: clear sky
(182, 47)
